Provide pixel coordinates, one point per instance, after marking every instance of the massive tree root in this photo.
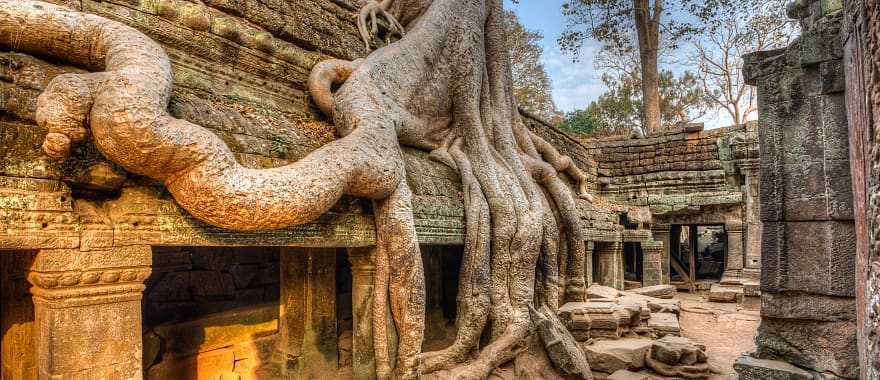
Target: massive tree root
(447, 83)
(444, 87)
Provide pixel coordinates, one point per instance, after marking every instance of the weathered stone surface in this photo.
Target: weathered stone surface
(820, 346)
(750, 368)
(807, 306)
(809, 235)
(613, 355)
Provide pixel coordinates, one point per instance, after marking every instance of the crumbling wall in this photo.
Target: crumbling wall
(676, 171)
(808, 254)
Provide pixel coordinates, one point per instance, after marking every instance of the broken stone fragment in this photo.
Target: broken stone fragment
(658, 291)
(612, 355)
(674, 350)
(678, 356)
(575, 316)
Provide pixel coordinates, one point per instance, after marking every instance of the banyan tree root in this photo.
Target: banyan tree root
(445, 87)
(447, 83)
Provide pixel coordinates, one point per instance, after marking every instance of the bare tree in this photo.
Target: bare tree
(718, 55)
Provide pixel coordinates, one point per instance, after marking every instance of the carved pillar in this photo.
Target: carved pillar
(588, 263)
(652, 273)
(363, 358)
(307, 319)
(661, 235)
(734, 263)
(751, 169)
(610, 258)
(87, 306)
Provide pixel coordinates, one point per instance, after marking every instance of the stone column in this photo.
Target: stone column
(661, 235)
(363, 358)
(753, 226)
(652, 273)
(588, 263)
(734, 263)
(87, 312)
(307, 318)
(610, 271)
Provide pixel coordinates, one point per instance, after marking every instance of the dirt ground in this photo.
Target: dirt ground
(726, 329)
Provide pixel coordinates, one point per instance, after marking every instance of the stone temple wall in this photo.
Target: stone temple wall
(809, 236)
(678, 171)
(862, 64)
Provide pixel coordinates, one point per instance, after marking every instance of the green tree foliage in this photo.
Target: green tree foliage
(580, 121)
(531, 84)
(616, 112)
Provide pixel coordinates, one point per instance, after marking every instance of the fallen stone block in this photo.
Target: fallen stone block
(576, 319)
(599, 291)
(750, 368)
(724, 293)
(613, 355)
(664, 324)
(658, 291)
(674, 350)
(678, 357)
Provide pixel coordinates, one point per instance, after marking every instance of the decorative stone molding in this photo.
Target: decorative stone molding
(87, 306)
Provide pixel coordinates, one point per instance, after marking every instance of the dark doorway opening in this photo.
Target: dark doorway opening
(633, 264)
(697, 255)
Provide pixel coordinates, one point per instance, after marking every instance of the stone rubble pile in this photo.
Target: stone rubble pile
(630, 335)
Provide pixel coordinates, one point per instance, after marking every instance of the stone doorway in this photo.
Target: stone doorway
(634, 262)
(698, 255)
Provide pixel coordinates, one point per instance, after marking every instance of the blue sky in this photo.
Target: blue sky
(575, 85)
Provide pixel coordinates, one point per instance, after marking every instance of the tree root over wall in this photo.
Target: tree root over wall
(445, 86)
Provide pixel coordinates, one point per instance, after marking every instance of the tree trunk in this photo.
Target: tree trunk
(648, 30)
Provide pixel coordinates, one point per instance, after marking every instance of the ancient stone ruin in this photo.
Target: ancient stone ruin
(252, 189)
